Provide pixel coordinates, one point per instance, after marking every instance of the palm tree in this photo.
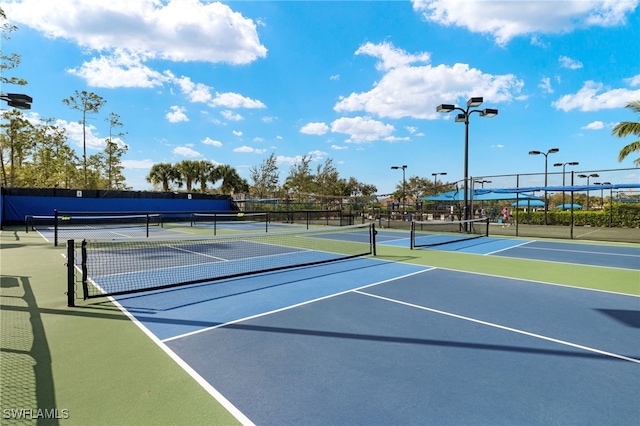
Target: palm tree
(626, 128)
(163, 174)
(231, 181)
(189, 170)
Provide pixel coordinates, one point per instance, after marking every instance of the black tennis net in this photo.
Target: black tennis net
(127, 266)
(77, 225)
(435, 233)
(254, 221)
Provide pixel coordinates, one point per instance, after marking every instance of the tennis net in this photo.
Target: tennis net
(234, 221)
(76, 225)
(433, 233)
(127, 266)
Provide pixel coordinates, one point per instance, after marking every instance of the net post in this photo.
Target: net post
(148, 225)
(55, 227)
(215, 224)
(26, 223)
(85, 285)
(486, 233)
(373, 231)
(71, 294)
(412, 235)
(266, 222)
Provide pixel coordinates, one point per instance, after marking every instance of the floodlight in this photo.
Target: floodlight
(475, 102)
(445, 108)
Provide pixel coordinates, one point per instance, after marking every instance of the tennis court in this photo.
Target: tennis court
(438, 336)
(372, 342)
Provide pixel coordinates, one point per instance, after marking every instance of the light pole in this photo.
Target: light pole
(464, 118)
(570, 163)
(546, 156)
(435, 184)
(17, 100)
(403, 184)
(588, 176)
(602, 193)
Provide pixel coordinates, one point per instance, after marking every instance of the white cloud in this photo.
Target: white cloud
(415, 91)
(497, 146)
(545, 85)
(338, 147)
(185, 151)
(249, 150)
(74, 132)
(315, 156)
(138, 164)
(391, 57)
(180, 30)
(505, 20)
(121, 69)
(335, 77)
(362, 129)
(314, 129)
(235, 100)
(567, 62)
(594, 97)
(237, 133)
(595, 125)
(214, 143)
(231, 116)
(633, 81)
(177, 114)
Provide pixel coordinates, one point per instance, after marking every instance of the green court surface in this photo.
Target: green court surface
(94, 366)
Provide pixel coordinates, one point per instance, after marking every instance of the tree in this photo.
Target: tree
(11, 61)
(17, 140)
(265, 177)
(205, 174)
(300, 179)
(231, 181)
(626, 128)
(114, 153)
(189, 171)
(87, 103)
(163, 174)
(113, 164)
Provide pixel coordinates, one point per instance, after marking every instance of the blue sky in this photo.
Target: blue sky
(354, 81)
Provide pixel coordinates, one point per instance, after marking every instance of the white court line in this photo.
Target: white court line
(502, 327)
(508, 248)
(235, 412)
(601, 253)
(191, 333)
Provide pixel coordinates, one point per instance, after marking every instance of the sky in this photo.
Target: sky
(357, 82)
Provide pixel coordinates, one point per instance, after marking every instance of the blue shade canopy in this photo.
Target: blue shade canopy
(569, 207)
(528, 203)
(480, 195)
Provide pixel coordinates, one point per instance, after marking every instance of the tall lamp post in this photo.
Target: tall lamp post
(403, 184)
(588, 176)
(435, 184)
(464, 118)
(546, 157)
(570, 163)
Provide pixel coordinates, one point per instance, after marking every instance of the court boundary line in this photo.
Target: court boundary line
(501, 327)
(537, 281)
(191, 333)
(508, 248)
(208, 387)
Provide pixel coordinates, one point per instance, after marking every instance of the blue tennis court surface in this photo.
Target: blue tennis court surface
(627, 257)
(364, 341)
